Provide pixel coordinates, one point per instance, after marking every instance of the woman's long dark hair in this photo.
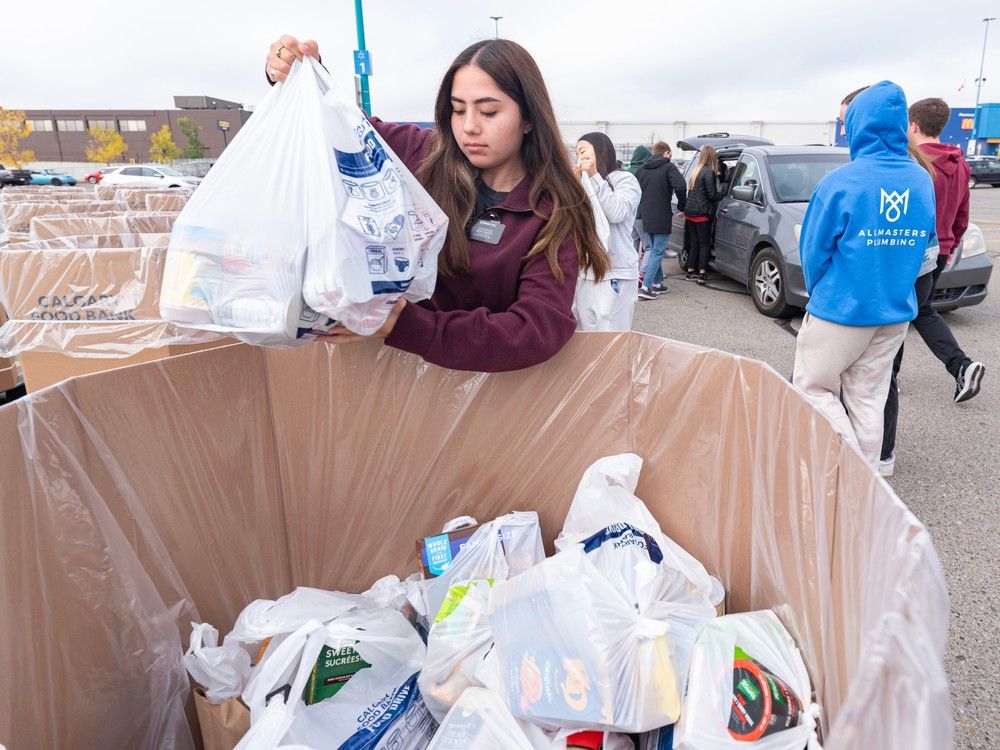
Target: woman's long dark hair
(604, 151)
(451, 179)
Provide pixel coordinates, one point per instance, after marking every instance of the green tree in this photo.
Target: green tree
(194, 149)
(105, 146)
(13, 129)
(162, 147)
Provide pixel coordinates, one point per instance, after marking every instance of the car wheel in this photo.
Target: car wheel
(175, 186)
(682, 258)
(56, 181)
(92, 180)
(767, 284)
(972, 182)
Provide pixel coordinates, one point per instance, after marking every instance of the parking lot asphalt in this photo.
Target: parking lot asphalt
(947, 465)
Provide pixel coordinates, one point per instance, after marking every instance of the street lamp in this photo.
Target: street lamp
(496, 26)
(979, 84)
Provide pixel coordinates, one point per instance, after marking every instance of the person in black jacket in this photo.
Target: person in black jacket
(701, 199)
(659, 179)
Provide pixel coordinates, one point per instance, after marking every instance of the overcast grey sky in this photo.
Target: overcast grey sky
(602, 59)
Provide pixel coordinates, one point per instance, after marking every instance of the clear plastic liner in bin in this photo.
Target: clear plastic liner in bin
(87, 301)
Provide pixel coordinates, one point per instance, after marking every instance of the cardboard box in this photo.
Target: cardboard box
(435, 552)
(140, 500)
(162, 202)
(42, 369)
(17, 215)
(75, 312)
(47, 227)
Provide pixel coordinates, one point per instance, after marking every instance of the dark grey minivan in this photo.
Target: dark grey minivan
(758, 218)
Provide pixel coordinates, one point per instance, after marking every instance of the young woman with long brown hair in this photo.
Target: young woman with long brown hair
(520, 228)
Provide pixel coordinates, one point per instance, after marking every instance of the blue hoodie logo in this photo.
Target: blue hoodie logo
(893, 201)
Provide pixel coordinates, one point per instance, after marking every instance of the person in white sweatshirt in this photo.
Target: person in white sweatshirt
(608, 305)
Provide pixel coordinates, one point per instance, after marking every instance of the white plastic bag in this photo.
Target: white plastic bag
(605, 499)
(496, 550)
(480, 720)
(273, 209)
(238, 249)
(459, 635)
(712, 698)
(381, 239)
(458, 640)
(574, 654)
(651, 571)
(378, 708)
(264, 618)
(222, 671)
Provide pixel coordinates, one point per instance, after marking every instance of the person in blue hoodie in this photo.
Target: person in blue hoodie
(865, 236)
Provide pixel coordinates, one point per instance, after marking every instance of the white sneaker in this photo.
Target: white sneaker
(886, 467)
(968, 381)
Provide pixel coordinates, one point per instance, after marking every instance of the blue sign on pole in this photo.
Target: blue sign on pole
(362, 62)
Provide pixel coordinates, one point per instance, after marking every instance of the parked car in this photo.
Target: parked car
(148, 175)
(985, 171)
(758, 218)
(98, 174)
(14, 176)
(51, 177)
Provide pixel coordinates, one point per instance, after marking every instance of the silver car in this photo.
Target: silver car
(760, 214)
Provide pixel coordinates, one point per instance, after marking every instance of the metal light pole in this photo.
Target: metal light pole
(359, 17)
(496, 26)
(979, 84)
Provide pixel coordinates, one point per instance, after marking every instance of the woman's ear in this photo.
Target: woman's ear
(527, 128)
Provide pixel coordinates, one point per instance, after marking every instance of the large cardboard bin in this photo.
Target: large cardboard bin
(139, 500)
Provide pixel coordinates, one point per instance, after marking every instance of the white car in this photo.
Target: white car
(148, 175)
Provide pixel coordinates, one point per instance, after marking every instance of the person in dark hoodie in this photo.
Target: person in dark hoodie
(659, 179)
(703, 195)
(865, 236)
(639, 237)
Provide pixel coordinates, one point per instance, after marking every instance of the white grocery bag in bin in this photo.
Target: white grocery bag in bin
(273, 203)
(711, 694)
(378, 708)
(573, 653)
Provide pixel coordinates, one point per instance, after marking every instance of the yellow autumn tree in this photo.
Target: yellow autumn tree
(162, 147)
(105, 146)
(13, 129)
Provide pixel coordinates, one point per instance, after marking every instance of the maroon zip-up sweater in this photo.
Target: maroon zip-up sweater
(506, 313)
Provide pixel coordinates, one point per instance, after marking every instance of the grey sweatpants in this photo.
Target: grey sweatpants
(833, 359)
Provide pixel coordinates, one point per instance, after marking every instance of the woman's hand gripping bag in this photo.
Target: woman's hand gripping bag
(374, 232)
(748, 689)
(237, 253)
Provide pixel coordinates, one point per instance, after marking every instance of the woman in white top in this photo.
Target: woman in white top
(608, 305)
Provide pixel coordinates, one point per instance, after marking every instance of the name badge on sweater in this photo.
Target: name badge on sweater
(486, 231)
